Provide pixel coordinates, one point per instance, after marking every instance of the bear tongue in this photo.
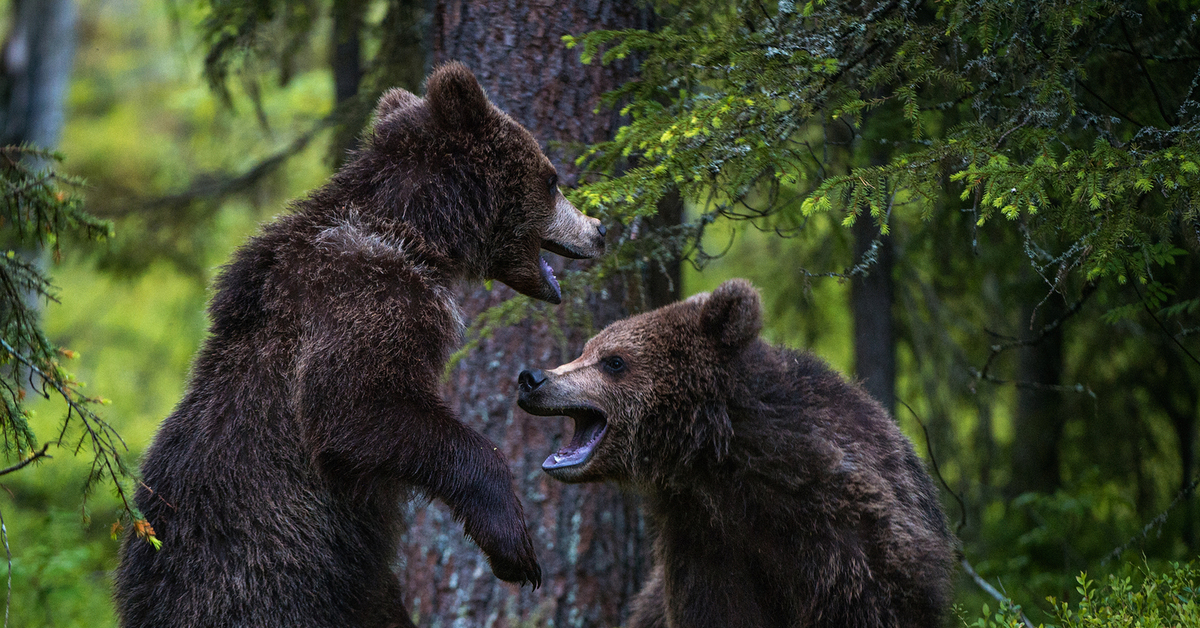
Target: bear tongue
(548, 275)
(583, 442)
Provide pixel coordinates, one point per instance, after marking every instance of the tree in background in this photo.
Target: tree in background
(590, 539)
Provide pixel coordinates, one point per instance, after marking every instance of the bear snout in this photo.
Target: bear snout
(529, 381)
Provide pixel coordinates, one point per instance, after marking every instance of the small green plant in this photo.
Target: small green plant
(1141, 599)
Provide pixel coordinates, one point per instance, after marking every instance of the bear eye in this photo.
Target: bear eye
(552, 183)
(613, 364)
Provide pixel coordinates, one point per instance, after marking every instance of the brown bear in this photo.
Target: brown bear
(780, 494)
(313, 408)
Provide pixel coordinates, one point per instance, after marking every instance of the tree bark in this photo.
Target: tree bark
(590, 538)
(664, 282)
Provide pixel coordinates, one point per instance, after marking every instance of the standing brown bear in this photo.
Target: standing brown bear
(781, 495)
(313, 408)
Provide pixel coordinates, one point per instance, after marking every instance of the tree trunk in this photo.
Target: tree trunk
(664, 281)
(36, 65)
(401, 59)
(872, 294)
(1039, 420)
(590, 538)
(346, 58)
(871, 301)
(38, 53)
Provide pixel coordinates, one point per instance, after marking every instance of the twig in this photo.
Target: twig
(983, 374)
(226, 187)
(37, 455)
(990, 590)
(1156, 522)
(1163, 327)
(1162, 111)
(962, 505)
(104, 440)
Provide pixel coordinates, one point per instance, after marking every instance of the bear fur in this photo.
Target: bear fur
(313, 408)
(781, 494)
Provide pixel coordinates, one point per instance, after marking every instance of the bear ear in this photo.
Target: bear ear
(455, 97)
(394, 99)
(732, 314)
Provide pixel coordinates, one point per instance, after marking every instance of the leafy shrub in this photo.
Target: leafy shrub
(1146, 599)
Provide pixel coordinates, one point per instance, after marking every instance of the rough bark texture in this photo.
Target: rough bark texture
(516, 51)
(590, 538)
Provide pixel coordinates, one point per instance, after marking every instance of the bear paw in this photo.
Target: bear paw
(517, 563)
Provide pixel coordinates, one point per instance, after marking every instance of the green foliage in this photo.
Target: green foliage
(153, 143)
(736, 100)
(1146, 599)
(60, 570)
(39, 209)
(162, 155)
(991, 140)
(1036, 154)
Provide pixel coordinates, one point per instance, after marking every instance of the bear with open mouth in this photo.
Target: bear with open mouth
(780, 494)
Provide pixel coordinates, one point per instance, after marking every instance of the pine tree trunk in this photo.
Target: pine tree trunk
(590, 538)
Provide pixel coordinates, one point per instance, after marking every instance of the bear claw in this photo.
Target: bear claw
(527, 572)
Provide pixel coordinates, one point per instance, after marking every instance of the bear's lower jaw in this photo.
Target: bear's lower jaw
(590, 428)
(536, 281)
(550, 280)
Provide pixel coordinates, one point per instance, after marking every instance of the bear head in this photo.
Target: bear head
(649, 394)
(473, 182)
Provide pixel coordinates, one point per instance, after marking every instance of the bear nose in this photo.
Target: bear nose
(602, 230)
(530, 381)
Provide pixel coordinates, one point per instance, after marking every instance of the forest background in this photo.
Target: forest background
(986, 211)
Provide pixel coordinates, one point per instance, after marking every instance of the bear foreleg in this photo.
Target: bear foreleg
(368, 433)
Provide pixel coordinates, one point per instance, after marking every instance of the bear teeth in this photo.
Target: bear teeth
(588, 432)
(548, 274)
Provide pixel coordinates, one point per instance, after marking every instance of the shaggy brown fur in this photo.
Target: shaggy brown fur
(782, 495)
(313, 408)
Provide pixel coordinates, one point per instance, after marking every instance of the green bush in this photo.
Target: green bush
(1145, 599)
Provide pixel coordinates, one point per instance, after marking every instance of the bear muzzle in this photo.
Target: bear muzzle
(591, 424)
(571, 234)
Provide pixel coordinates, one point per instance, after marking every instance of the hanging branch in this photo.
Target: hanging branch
(1156, 522)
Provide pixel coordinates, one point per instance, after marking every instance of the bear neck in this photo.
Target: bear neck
(453, 219)
(766, 392)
